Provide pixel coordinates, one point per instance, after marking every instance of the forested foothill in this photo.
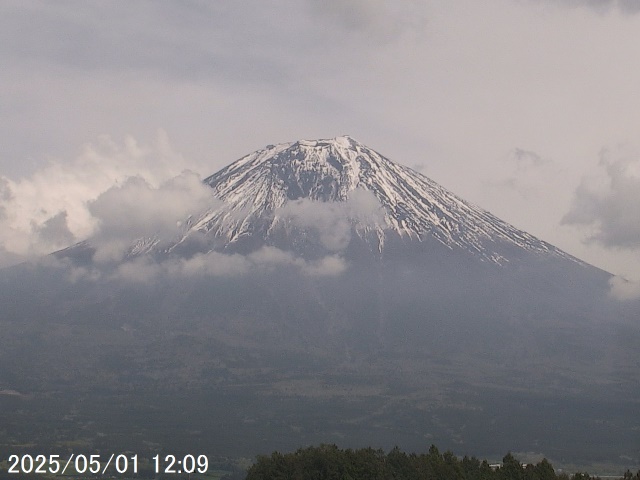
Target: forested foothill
(328, 462)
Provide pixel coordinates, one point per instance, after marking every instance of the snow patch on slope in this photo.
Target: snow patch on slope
(320, 183)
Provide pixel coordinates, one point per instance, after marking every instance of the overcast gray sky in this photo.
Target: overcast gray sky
(529, 108)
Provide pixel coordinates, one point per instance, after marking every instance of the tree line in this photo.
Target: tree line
(328, 462)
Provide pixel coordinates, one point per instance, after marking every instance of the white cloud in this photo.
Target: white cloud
(209, 264)
(327, 218)
(327, 266)
(135, 209)
(624, 289)
(107, 184)
(333, 220)
(215, 264)
(606, 210)
(609, 204)
(271, 257)
(147, 270)
(268, 257)
(141, 270)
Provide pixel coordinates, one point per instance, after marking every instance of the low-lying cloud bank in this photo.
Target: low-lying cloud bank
(145, 269)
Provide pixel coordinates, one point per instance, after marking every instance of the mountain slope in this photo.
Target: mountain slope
(261, 190)
(442, 325)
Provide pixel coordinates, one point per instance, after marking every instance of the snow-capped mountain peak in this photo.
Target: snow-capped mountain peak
(359, 186)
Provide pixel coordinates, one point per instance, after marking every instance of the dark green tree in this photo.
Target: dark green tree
(511, 468)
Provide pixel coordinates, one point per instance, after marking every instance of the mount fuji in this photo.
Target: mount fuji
(326, 294)
(286, 193)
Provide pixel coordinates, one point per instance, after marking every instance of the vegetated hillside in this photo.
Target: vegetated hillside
(330, 462)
